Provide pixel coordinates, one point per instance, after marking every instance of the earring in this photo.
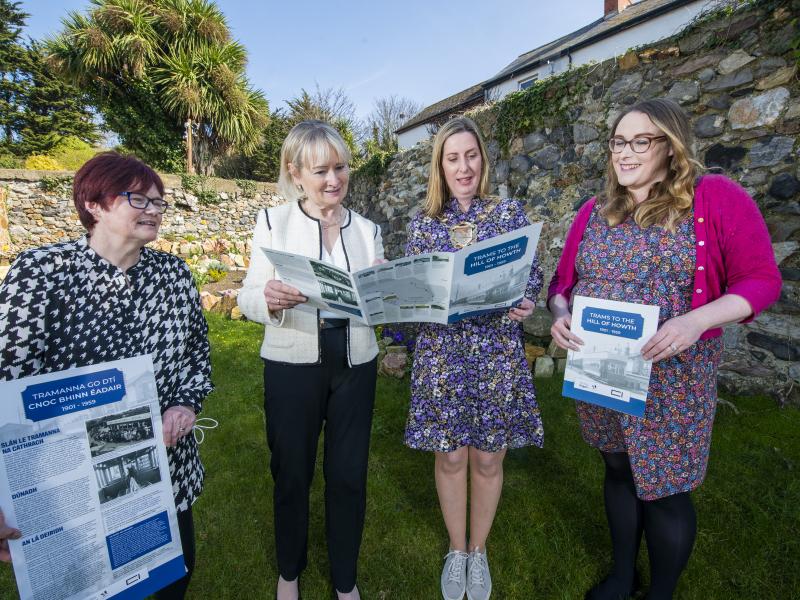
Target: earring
(301, 194)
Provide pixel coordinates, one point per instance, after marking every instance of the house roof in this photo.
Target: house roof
(430, 113)
(585, 36)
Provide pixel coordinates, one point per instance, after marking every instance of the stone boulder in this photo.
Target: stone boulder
(394, 362)
(625, 86)
(728, 82)
(783, 187)
(227, 302)
(684, 91)
(709, 126)
(538, 324)
(760, 110)
(556, 351)
(780, 77)
(532, 353)
(208, 300)
(734, 62)
(543, 367)
(771, 151)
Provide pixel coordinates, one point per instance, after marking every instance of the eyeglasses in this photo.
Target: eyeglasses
(141, 201)
(639, 145)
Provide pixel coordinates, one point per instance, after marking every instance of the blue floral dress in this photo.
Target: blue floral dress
(668, 447)
(470, 383)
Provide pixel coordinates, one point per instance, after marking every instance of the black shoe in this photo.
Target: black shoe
(611, 588)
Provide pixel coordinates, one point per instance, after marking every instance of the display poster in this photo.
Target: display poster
(84, 476)
(609, 369)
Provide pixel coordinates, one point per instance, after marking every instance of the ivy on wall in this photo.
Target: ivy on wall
(375, 167)
(544, 103)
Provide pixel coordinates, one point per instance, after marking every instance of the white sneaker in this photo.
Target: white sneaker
(454, 575)
(479, 581)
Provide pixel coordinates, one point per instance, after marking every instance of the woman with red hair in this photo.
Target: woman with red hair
(106, 296)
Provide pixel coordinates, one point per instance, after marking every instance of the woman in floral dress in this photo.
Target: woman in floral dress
(472, 394)
(698, 249)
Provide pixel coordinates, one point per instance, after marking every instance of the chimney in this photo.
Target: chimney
(612, 7)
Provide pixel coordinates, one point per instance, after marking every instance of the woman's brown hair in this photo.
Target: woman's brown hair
(669, 201)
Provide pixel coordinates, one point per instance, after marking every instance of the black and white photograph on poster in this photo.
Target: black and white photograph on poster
(127, 474)
(112, 432)
(491, 287)
(333, 293)
(326, 272)
(615, 366)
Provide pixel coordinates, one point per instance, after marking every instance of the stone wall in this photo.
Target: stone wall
(737, 77)
(36, 208)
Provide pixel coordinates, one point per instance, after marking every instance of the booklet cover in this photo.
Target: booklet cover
(84, 476)
(609, 369)
(440, 287)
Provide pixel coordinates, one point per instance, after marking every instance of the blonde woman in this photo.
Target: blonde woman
(699, 249)
(319, 369)
(472, 394)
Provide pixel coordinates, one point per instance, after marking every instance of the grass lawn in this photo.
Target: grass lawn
(549, 539)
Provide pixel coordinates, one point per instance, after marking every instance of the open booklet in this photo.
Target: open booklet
(440, 287)
(609, 369)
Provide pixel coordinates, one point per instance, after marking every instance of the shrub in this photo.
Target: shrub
(72, 152)
(9, 161)
(247, 187)
(40, 162)
(198, 185)
(216, 275)
(200, 276)
(216, 271)
(56, 185)
(375, 166)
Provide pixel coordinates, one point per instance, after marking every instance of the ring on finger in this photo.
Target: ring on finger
(673, 347)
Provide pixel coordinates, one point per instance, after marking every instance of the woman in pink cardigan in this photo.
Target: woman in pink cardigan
(699, 249)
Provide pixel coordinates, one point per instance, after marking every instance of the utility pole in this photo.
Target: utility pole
(189, 161)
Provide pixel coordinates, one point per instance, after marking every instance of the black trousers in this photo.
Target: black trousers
(298, 401)
(177, 589)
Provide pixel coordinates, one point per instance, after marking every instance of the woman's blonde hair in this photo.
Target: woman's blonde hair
(669, 201)
(438, 192)
(308, 142)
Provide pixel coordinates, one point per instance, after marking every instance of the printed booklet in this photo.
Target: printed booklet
(85, 478)
(441, 287)
(609, 369)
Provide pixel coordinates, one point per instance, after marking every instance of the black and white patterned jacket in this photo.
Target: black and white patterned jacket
(63, 306)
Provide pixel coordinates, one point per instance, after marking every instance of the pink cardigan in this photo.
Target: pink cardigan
(734, 254)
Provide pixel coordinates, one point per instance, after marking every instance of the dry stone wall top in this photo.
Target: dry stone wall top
(36, 209)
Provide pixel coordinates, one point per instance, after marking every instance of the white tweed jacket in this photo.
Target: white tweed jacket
(293, 336)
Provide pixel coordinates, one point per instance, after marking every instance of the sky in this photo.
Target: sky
(422, 50)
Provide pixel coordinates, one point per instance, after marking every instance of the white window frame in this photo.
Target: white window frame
(528, 82)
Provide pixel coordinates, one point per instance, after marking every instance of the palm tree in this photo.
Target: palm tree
(180, 50)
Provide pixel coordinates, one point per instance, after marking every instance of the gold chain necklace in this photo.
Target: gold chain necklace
(463, 234)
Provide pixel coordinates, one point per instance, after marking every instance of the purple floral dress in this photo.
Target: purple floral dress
(668, 447)
(470, 384)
